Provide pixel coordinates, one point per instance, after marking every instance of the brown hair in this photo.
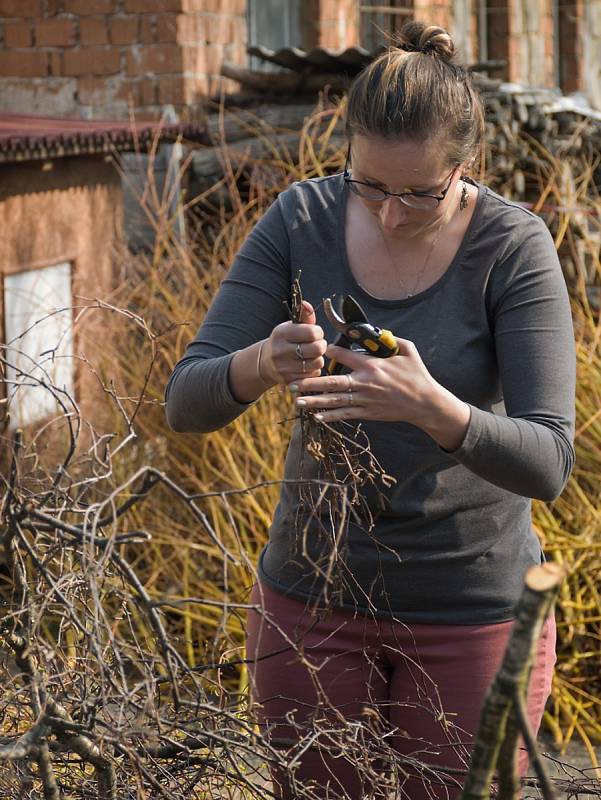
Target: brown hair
(418, 89)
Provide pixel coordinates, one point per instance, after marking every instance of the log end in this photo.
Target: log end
(544, 577)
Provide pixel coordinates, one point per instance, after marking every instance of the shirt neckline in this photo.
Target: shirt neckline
(416, 298)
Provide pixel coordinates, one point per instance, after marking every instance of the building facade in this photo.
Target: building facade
(95, 58)
(61, 213)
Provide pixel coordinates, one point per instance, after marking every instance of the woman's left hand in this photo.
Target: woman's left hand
(395, 389)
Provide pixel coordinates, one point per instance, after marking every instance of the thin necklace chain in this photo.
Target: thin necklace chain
(423, 267)
(420, 273)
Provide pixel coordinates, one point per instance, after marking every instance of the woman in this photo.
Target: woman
(472, 418)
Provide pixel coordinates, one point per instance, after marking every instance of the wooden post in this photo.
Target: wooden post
(502, 718)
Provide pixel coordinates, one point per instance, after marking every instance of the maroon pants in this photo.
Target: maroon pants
(341, 693)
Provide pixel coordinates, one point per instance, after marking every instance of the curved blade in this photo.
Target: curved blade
(352, 311)
(336, 320)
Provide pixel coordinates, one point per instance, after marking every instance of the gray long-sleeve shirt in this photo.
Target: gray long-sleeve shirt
(454, 537)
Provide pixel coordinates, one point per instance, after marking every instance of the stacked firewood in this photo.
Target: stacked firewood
(545, 154)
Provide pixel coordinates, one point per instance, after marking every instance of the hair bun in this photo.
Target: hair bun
(417, 37)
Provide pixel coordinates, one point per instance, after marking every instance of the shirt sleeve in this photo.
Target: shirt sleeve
(530, 451)
(247, 307)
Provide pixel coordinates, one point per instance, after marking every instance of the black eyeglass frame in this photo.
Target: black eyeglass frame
(439, 198)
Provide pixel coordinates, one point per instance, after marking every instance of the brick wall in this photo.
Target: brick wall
(99, 58)
(436, 12)
(210, 32)
(338, 23)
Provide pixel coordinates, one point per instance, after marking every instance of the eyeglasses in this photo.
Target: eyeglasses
(369, 191)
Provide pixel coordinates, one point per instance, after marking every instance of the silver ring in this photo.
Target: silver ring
(350, 398)
(350, 382)
(303, 366)
(299, 352)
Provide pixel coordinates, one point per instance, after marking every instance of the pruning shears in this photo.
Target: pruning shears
(355, 332)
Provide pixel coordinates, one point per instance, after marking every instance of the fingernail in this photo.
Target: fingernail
(301, 402)
(293, 387)
(318, 417)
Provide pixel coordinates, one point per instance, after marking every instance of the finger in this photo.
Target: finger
(299, 332)
(327, 401)
(350, 412)
(347, 357)
(312, 370)
(406, 347)
(308, 313)
(310, 350)
(323, 384)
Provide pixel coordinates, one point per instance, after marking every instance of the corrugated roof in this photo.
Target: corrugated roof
(25, 137)
(320, 59)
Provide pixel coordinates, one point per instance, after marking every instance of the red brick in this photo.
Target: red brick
(199, 85)
(166, 29)
(239, 30)
(17, 34)
(55, 33)
(194, 59)
(140, 6)
(171, 90)
(55, 63)
(227, 6)
(194, 6)
(149, 92)
(91, 61)
(191, 29)
(93, 30)
(236, 54)
(89, 7)
(123, 30)
(53, 7)
(138, 93)
(21, 8)
(220, 29)
(158, 58)
(215, 54)
(24, 64)
(148, 30)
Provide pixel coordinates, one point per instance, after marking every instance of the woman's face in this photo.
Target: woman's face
(402, 166)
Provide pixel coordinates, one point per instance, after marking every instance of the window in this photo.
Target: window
(273, 24)
(39, 338)
(381, 18)
(492, 17)
(567, 44)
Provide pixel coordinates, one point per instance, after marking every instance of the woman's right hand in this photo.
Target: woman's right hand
(294, 350)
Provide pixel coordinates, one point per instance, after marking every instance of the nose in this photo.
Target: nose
(393, 212)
